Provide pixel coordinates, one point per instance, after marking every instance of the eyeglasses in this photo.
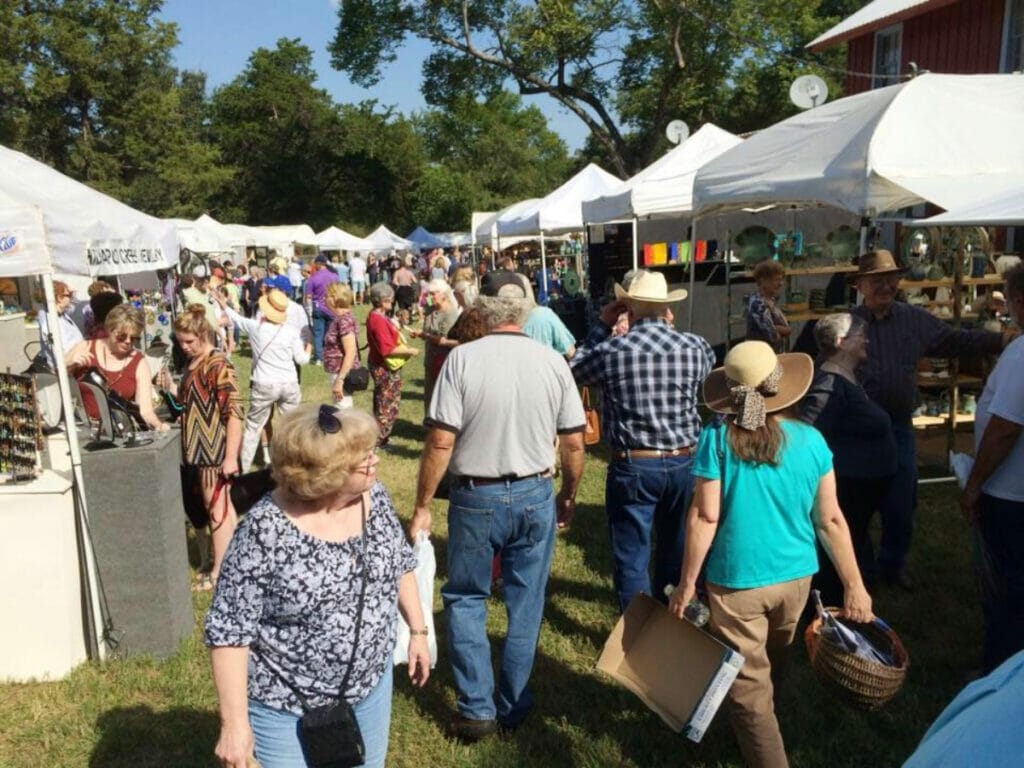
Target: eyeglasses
(123, 337)
(328, 420)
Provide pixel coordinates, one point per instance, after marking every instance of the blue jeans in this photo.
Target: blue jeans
(641, 494)
(279, 736)
(518, 518)
(1001, 530)
(898, 505)
(321, 322)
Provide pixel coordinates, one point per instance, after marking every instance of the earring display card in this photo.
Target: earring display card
(21, 429)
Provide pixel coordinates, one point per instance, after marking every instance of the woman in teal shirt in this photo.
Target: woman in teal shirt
(765, 488)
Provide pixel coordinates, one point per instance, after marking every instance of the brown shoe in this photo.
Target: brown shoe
(468, 729)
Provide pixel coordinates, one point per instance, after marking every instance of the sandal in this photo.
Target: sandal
(203, 583)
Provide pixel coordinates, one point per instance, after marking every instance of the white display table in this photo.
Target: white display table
(40, 588)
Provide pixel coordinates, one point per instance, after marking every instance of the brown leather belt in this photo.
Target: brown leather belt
(466, 480)
(654, 453)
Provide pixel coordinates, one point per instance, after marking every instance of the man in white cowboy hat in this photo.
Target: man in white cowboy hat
(899, 334)
(650, 379)
(276, 349)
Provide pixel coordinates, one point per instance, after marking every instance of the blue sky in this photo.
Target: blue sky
(217, 37)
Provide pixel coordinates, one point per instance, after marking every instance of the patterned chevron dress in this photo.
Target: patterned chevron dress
(210, 396)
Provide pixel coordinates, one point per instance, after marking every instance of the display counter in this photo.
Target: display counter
(138, 523)
(41, 594)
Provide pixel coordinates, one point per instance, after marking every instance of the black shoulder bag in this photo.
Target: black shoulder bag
(330, 734)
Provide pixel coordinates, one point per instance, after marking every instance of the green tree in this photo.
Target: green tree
(90, 89)
(502, 151)
(623, 67)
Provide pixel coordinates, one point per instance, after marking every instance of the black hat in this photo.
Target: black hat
(493, 283)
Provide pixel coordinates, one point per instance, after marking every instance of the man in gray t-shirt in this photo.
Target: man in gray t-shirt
(498, 406)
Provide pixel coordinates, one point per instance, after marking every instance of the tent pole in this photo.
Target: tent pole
(865, 222)
(92, 615)
(495, 251)
(543, 266)
(693, 270)
(728, 290)
(636, 245)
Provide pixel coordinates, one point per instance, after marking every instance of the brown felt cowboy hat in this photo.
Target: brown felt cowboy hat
(274, 306)
(753, 367)
(880, 262)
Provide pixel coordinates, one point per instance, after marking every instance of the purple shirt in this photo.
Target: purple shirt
(316, 288)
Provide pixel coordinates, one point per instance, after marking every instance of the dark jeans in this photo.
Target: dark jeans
(641, 494)
(897, 508)
(859, 497)
(1001, 567)
(321, 322)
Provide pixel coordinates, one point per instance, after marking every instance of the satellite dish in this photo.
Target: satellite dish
(808, 91)
(677, 131)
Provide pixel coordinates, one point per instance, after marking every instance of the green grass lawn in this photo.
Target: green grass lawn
(144, 712)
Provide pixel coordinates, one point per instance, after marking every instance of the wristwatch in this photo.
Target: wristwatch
(424, 632)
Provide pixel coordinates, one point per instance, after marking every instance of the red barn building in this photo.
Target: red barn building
(949, 36)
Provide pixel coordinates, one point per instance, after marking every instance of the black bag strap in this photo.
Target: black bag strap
(359, 624)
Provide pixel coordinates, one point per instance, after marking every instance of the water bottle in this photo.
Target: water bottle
(695, 612)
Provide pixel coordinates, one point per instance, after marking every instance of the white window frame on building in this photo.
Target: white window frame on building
(887, 55)
(1012, 58)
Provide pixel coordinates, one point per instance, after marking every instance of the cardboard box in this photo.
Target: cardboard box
(678, 670)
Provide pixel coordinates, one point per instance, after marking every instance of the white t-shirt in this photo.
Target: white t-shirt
(295, 274)
(275, 349)
(505, 397)
(1004, 397)
(297, 318)
(357, 269)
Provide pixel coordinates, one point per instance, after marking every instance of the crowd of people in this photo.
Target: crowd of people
(748, 512)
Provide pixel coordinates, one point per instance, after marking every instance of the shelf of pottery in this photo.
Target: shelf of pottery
(952, 276)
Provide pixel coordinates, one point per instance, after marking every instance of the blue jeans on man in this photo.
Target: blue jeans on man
(518, 518)
(641, 495)
(897, 508)
(321, 322)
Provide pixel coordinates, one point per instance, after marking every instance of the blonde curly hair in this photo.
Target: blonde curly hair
(312, 464)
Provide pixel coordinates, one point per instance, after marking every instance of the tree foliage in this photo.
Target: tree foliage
(623, 67)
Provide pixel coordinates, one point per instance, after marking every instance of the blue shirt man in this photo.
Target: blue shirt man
(650, 379)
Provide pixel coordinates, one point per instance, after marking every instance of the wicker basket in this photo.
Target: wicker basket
(862, 683)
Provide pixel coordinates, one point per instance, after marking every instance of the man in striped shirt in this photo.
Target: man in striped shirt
(650, 380)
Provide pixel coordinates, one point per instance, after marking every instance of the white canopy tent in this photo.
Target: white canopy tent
(85, 232)
(944, 139)
(1005, 209)
(284, 238)
(50, 223)
(200, 236)
(383, 239)
(664, 188)
(336, 239)
(456, 239)
(560, 211)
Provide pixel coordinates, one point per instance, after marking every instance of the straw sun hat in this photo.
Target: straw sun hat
(650, 287)
(274, 306)
(755, 381)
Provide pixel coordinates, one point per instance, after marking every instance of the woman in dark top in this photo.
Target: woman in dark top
(859, 433)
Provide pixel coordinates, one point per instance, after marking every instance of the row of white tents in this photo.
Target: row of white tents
(950, 140)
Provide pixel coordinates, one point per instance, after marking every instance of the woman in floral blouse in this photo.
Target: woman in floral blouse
(285, 626)
(765, 321)
(341, 342)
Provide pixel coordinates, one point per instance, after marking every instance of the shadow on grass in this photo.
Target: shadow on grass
(137, 737)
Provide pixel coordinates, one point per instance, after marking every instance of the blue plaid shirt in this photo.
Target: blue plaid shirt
(650, 380)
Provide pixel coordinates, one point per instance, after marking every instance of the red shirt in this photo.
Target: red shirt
(381, 335)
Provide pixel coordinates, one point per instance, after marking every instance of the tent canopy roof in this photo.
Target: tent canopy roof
(944, 139)
(1004, 209)
(337, 239)
(422, 238)
(383, 239)
(665, 187)
(60, 225)
(560, 211)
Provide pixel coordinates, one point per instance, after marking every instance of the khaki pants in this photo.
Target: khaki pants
(760, 624)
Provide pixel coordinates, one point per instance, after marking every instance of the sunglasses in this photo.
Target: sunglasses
(328, 420)
(123, 337)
